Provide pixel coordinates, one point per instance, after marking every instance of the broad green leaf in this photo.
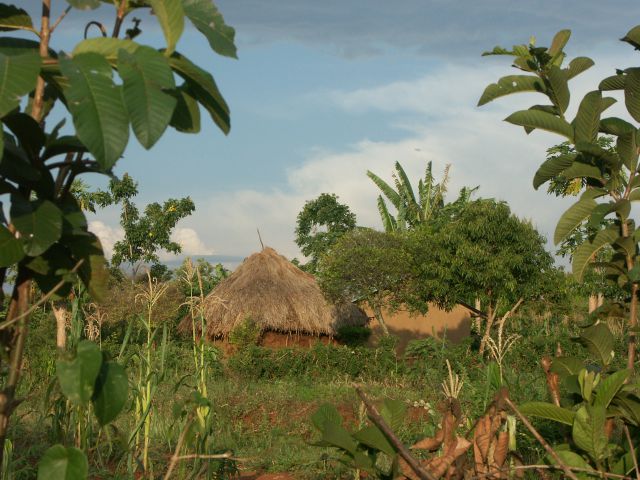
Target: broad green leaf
(572, 459)
(599, 340)
(337, 436)
(632, 92)
(587, 119)
(12, 47)
(627, 149)
(552, 168)
(615, 126)
(18, 75)
(585, 252)
(95, 102)
(84, 4)
(541, 120)
(39, 223)
(63, 463)
(389, 192)
(548, 411)
(580, 169)
(559, 41)
(78, 376)
(511, 84)
(170, 14)
(108, 47)
(209, 21)
(629, 406)
(146, 80)
(614, 82)
(186, 115)
(609, 387)
(564, 366)
(560, 88)
(11, 249)
(374, 438)
(110, 394)
(14, 18)
(326, 413)
(204, 90)
(93, 271)
(578, 65)
(393, 412)
(633, 37)
(588, 431)
(572, 218)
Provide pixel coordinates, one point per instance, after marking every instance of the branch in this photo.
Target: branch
(403, 451)
(633, 451)
(119, 18)
(45, 32)
(62, 15)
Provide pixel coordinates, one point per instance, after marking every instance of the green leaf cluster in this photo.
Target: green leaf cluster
(361, 449)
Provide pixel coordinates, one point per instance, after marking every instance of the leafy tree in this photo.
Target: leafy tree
(484, 252)
(146, 234)
(413, 211)
(366, 265)
(320, 223)
(210, 276)
(608, 180)
(45, 238)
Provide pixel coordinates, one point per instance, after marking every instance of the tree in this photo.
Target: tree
(210, 276)
(484, 252)
(46, 238)
(413, 211)
(321, 222)
(146, 234)
(368, 266)
(608, 180)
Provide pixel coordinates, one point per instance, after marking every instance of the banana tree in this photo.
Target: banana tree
(608, 180)
(411, 210)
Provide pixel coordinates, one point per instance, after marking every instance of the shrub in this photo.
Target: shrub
(353, 335)
(245, 334)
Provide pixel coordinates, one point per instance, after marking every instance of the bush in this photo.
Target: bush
(245, 334)
(319, 362)
(353, 336)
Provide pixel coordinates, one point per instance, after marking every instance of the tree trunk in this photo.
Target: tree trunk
(593, 302)
(477, 319)
(377, 311)
(61, 315)
(14, 342)
(633, 324)
(491, 317)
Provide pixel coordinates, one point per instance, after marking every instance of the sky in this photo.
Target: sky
(324, 91)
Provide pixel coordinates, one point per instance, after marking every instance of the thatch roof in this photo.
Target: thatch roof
(277, 296)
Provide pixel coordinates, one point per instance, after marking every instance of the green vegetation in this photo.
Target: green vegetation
(124, 393)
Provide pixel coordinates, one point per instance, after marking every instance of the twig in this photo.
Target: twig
(97, 24)
(542, 441)
(403, 451)
(219, 456)
(119, 18)
(633, 451)
(43, 300)
(174, 457)
(62, 15)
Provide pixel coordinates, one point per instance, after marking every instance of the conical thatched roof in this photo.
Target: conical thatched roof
(277, 296)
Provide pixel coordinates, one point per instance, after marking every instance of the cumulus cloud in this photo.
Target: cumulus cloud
(190, 242)
(108, 235)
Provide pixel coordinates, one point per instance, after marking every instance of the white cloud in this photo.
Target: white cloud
(190, 242)
(108, 235)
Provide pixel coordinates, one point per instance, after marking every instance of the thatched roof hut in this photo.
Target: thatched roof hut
(278, 297)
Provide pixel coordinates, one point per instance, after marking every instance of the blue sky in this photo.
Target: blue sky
(323, 91)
